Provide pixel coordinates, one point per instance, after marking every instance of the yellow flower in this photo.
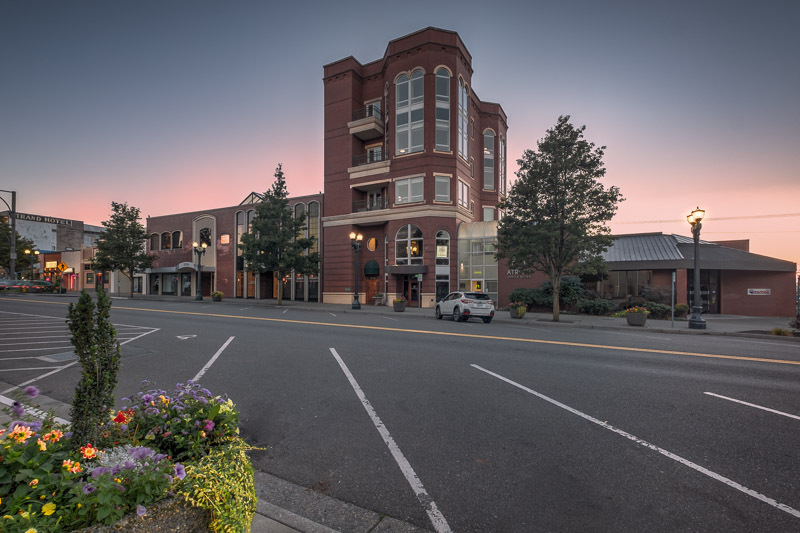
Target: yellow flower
(42, 444)
(42, 497)
(49, 508)
(25, 514)
(31, 530)
(79, 506)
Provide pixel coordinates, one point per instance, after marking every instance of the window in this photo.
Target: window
(374, 153)
(408, 245)
(463, 119)
(166, 241)
(205, 236)
(409, 190)
(488, 214)
(442, 264)
(463, 194)
(300, 210)
(313, 224)
(154, 241)
(442, 248)
(409, 111)
(488, 160)
(177, 239)
(443, 110)
(502, 164)
(442, 188)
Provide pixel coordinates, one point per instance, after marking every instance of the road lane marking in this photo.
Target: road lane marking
(454, 334)
(29, 342)
(285, 310)
(211, 361)
(21, 369)
(331, 314)
(439, 522)
(694, 466)
(753, 405)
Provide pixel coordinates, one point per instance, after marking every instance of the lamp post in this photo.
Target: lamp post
(355, 241)
(200, 250)
(695, 218)
(33, 255)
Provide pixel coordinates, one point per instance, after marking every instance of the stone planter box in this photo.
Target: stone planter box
(399, 306)
(636, 319)
(517, 312)
(168, 515)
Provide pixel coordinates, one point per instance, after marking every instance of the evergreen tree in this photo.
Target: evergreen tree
(275, 242)
(23, 261)
(556, 212)
(94, 340)
(122, 245)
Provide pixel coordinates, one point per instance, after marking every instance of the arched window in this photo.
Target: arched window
(409, 113)
(463, 119)
(488, 160)
(443, 110)
(177, 240)
(154, 242)
(166, 241)
(408, 245)
(313, 224)
(502, 164)
(442, 248)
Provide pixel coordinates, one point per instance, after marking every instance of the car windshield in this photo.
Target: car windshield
(477, 296)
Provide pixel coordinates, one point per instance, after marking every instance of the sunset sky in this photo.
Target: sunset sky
(183, 105)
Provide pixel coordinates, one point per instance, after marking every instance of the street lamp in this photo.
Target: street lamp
(199, 249)
(355, 240)
(695, 218)
(34, 256)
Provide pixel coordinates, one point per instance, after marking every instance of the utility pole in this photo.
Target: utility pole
(12, 241)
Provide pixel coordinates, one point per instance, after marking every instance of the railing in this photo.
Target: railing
(365, 112)
(369, 157)
(370, 205)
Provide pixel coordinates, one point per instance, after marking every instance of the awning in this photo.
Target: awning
(372, 268)
(406, 269)
(180, 267)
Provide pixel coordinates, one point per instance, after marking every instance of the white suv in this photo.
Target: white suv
(462, 305)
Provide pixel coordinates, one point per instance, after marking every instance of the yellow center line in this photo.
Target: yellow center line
(451, 334)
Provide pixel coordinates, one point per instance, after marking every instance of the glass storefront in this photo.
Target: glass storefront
(477, 267)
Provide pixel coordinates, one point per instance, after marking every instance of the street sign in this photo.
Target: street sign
(61, 267)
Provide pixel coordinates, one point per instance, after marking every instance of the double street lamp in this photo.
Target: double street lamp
(355, 241)
(695, 218)
(200, 250)
(33, 255)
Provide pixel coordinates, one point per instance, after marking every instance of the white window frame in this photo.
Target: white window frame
(463, 194)
(441, 179)
(407, 186)
(442, 107)
(488, 160)
(406, 131)
(490, 211)
(463, 119)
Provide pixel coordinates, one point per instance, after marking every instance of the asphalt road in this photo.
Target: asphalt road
(471, 426)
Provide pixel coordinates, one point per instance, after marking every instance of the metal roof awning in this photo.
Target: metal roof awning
(372, 268)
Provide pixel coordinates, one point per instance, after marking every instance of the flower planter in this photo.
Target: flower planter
(172, 514)
(636, 319)
(517, 312)
(399, 306)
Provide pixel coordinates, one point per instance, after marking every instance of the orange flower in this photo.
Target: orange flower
(21, 434)
(33, 482)
(54, 436)
(42, 444)
(88, 451)
(72, 466)
(123, 417)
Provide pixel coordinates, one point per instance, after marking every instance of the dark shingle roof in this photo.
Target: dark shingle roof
(643, 247)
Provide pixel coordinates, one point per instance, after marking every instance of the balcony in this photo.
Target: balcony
(367, 123)
(370, 164)
(370, 205)
(369, 158)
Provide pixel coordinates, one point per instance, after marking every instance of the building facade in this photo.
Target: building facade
(411, 153)
(175, 271)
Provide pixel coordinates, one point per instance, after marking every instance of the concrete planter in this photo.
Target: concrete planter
(517, 312)
(399, 306)
(172, 514)
(636, 319)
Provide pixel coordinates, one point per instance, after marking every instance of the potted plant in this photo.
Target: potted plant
(377, 299)
(399, 304)
(216, 296)
(517, 309)
(636, 316)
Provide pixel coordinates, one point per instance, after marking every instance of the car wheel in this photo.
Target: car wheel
(456, 315)
(487, 319)
(438, 313)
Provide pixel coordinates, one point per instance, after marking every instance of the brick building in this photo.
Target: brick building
(411, 154)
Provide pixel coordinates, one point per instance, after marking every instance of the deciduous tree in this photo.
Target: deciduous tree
(122, 245)
(22, 244)
(557, 210)
(276, 241)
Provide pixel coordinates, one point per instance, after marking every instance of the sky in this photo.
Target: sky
(185, 105)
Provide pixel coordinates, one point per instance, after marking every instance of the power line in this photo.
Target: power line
(745, 217)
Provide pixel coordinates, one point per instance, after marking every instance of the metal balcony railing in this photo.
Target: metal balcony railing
(370, 205)
(365, 112)
(370, 157)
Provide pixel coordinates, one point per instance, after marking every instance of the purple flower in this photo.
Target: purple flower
(32, 391)
(128, 465)
(116, 469)
(147, 398)
(17, 409)
(209, 425)
(168, 477)
(120, 487)
(151, 411)
(99, 471)
(89, 488)
(141, 453)
(145, 383)
(157, 458)
(180, 471)
(141, 510)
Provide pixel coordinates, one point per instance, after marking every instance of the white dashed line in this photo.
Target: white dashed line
(211, 361)
(753, 405)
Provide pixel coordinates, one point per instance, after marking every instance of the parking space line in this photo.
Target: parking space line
(35, 342)
(753, 405)
(439, 522)
(713, 475)
(211, 361)
(21, 369)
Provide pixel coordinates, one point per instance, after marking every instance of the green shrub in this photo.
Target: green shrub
(656, 294)
(781, 332)
(658, 310)
(571, 293)
(596, 307)
(681, 310)
(524, 295)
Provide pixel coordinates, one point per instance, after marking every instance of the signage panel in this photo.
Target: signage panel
(759, 292)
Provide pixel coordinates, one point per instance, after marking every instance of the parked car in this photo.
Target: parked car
(42, 286)
(8, 284)
(463, 305)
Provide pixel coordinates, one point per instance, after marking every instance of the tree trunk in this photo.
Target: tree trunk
(130, 281)
(556, 298)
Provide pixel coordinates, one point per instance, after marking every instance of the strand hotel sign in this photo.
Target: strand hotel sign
(44, 219)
